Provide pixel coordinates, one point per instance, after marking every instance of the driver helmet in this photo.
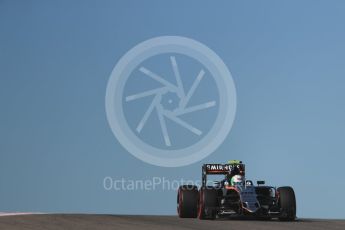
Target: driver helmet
(237, 180)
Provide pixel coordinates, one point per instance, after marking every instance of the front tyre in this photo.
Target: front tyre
(287, 203)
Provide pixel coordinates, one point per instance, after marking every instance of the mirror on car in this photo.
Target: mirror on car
(249, 183)
(260, 182)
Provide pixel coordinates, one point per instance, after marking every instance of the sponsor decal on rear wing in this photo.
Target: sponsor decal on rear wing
(221, 168)
(217, 168)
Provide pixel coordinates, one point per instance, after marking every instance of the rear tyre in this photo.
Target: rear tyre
(287, 203)
(208, 203)
(187, 201)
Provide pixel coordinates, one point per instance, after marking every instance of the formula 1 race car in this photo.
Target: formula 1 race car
(234, 196)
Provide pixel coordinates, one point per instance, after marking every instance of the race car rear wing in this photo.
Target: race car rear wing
(220, 169)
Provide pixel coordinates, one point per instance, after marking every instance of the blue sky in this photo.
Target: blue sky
(56, 147)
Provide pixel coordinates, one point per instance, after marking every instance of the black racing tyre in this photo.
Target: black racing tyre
(187, 201)
(287, 203)
(208, 203)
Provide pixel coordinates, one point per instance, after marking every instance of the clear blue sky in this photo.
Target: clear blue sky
(287, 60)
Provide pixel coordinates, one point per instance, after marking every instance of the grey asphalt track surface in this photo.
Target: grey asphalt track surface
(100, 222)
